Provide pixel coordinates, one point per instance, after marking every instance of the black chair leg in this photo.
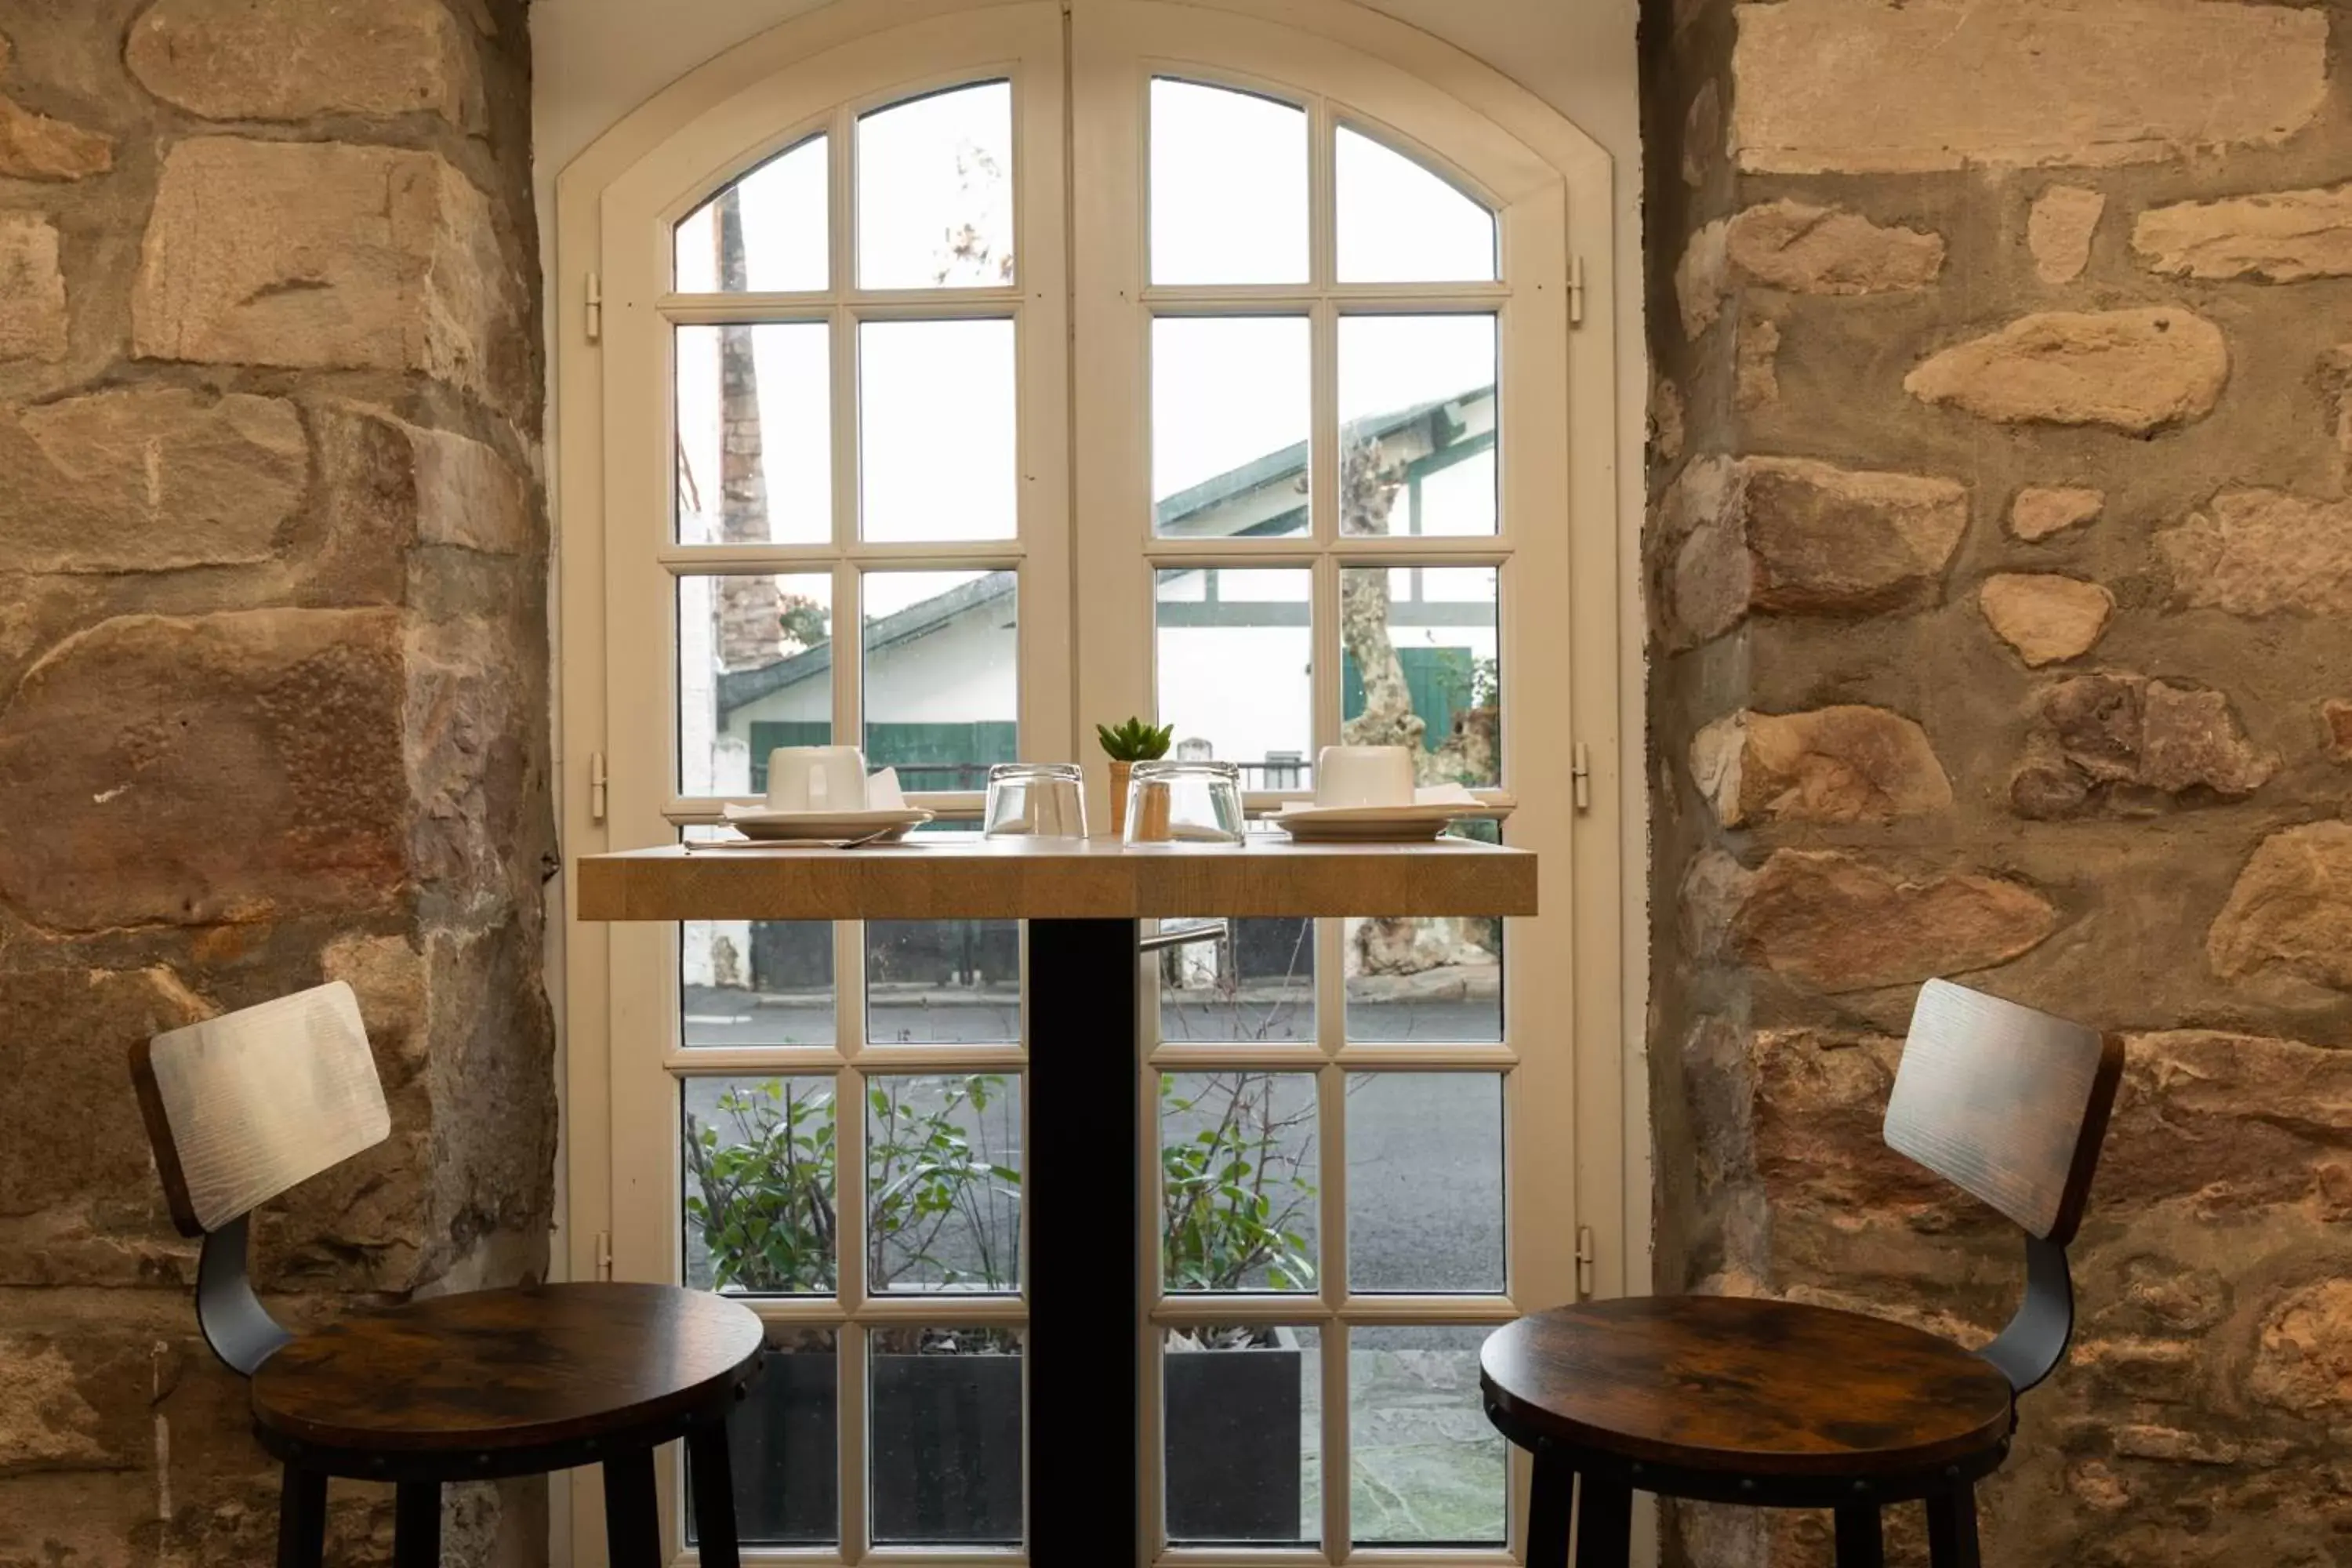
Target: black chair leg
(1551, 1497)
(631, 1513)
(301, 1518)
(1859, 1542)
(1952, 1528)
(416, 1525)
(713, 1470)
(1604, 1523)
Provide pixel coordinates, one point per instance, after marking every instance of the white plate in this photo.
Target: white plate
(1370, 824)
(786, 825)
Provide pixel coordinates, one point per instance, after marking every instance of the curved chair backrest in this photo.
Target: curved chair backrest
(242, 1107)
(2006, 1103)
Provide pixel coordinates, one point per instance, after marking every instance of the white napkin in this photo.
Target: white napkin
(1443, 795)
(882, 791)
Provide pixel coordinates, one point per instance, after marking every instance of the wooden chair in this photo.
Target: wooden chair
(464, 1387)
(1780, 1404)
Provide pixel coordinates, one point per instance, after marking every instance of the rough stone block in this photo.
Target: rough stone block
(2305, 1362)
(2119, 740)
(1848, 763)
(146, 480)
(1838, 922)
(2263, 553)
(1790, 535)
(2283, 236)
(323, 256)
(294, 60)
(259, 775)
(2133, 370)
(1902, 86)
(32, 290)
(36, 147)
(2040, 510)
(2045, 615)
(2335, 728)
(2227, 1123)
(1820, 1105)
(2058, 231)
(1803, 249)
(55, 1025)
(2291, 910)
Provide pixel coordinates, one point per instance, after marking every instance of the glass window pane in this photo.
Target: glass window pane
(1235, 668)
(754, 982)
(1231, 410)
(942, 982)
(1426, 980)
(1416, 401)
(939, 447)
(1401, 223)
(944, 1435)
(1257, 982)
(1244, 1415)
(1423, 667)
(935, 191)
(1424, 1181)
(754, 673)
(943, 1183)
(760, 1184)
(765, 234)
(1228, 186)
(754, 434)
(782, 1441)
(1425, 1467)
(1238, 1181)
(942, 675)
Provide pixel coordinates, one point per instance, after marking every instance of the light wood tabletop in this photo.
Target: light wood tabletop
(960, 877)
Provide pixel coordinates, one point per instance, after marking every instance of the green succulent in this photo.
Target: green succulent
(1135, 740)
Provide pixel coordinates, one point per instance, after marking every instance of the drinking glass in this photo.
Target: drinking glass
(1184, 802)
(1035, 800)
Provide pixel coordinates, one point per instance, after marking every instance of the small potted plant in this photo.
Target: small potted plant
(1131, 743)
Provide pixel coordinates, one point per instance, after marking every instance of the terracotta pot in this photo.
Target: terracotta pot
(1119, 775)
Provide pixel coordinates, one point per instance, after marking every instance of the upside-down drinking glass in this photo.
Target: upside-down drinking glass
(1184, 802)
(1035, 800)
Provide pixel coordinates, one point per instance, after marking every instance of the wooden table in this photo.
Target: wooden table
(1083, 902)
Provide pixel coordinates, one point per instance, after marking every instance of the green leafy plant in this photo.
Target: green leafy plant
(1235, 1192)
(1135, 740)
(941, 1207)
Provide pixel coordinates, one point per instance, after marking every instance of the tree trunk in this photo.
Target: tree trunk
(750, 609)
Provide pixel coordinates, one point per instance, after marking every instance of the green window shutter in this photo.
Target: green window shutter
(942, 756)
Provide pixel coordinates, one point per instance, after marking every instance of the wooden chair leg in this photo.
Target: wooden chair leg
(416, 1525)
(1604, 1523)
(1860, 1543)
(1551, 1497)
(631, 1513)
(301, 1518)
(713, 1470)
(1952, 1528)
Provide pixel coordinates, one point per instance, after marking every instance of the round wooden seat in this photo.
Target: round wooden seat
(497, 1373)
(1738, 1386)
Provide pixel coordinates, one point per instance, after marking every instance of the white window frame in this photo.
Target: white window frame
(613, 203)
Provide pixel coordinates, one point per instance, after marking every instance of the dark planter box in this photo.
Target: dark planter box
(781, 1442)
(945, 1433)
(1232, 1444)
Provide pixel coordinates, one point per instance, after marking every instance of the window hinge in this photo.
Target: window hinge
(604, 1254)
(1575, 290)
(595, 309)
(595, 786)
(1579, 774)
(1585, 1259)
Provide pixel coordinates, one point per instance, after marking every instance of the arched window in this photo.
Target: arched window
(958, 386)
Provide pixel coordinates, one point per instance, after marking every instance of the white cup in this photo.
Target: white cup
(816, 778)
(1364, 775)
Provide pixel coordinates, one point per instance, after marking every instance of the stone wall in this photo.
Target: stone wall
(273, 700)
(2001, 569)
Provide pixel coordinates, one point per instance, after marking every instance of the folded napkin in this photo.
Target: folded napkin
(1443, 795)
(883, 793)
